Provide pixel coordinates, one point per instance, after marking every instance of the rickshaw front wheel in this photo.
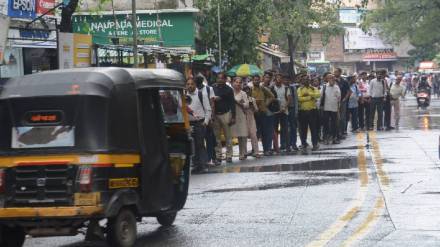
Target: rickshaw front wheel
(12, 236)
(166, 219)
(122, 229)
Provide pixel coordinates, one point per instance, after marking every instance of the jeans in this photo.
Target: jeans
(292, 120)
(198, 134)
(354, 118)
(364, 115)
(281, 128)
(210, 143)
(377, 106)
(265, 129)
(330, 121)
(308, 120)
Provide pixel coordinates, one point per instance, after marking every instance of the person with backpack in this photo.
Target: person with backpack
(330, 104)
(283, 96)
(199, 110)
(208, 92)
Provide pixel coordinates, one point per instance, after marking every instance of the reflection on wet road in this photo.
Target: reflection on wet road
(391, 198)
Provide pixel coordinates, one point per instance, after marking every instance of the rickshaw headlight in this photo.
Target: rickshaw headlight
(85, 178)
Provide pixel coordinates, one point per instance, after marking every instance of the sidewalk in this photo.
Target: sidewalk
(328, 157)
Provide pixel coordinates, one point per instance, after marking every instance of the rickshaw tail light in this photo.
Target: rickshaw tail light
(2, 180)
(85, 178)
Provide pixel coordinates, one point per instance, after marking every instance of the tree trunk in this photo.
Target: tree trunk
(293, 42)
(66, 16)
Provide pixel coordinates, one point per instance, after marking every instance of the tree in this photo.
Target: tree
(241, 24)
(67, 12)
(416, 21)
(296, 20)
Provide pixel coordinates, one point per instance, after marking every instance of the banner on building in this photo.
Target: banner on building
(43, 6)
(4, 23)
(379, 57)
(22, 9)
(350, 16)
(65, 51)
(74, 50)
(356, 39)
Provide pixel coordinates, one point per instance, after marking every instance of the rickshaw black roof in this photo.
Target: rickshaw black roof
(89, 81)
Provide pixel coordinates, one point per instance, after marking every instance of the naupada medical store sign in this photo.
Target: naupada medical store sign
(175, 29)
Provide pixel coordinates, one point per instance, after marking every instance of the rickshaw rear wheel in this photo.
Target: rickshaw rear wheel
(166, 219)
(12, 236)
(122, 229)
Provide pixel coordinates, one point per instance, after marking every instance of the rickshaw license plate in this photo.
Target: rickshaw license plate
(117, 183)
(87, 199)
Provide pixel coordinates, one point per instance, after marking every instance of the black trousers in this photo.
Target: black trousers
(377, 106)
(330, 125)
(364, 115)
(387, 112)
(309, 120)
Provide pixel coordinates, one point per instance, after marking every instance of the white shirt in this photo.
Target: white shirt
(397, 91)
(200, 111)
(332, 97)
(377, 89)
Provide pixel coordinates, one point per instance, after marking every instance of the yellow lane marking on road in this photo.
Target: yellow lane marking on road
(355, 206)
(373, 217)
(368, 223)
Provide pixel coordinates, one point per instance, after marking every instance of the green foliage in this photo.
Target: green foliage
(241, 24)
(408, 19)
(301, 18)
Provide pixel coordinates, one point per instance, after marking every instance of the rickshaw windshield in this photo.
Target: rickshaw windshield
(171, 104)
(43, 137)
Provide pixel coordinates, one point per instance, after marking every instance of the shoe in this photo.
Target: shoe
(380, 129)
(217, 162)
(315, 148)
(241, 158)
(257, 156)
(228, 160)
(267, 154)
(295, 148)
(336, 142)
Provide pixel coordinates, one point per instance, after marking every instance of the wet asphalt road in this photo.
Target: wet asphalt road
(391, 198)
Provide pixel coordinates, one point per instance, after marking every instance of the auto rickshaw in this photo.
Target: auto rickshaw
(92, 148)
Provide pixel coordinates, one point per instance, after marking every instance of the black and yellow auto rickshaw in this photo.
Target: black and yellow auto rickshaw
(83, 145)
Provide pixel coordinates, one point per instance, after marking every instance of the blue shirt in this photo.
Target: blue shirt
(353, 100)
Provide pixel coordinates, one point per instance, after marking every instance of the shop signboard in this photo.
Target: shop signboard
(350, 16)
(22, 9)
(44, 6)
(173, 29)
(356, 39)
(379, 57)
(82, 44)
(65, 51)
(4, 23)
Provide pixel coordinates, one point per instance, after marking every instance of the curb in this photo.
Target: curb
(328, 164)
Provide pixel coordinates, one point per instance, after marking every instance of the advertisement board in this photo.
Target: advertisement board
(356, 39)
(82, 44)
(4, 22)
(350, 16)
(65, 52)
(45, 5)
(174, 29)
(22, 9)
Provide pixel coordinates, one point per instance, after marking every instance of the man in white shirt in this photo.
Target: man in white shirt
(208, 92)
(378, 89)
(330, 103)
(199, 110)
(396, 92)
(283, 95)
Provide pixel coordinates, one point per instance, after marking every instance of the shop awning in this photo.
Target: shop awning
(32, 39)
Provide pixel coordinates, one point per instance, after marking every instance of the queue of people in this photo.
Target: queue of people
(273, 110)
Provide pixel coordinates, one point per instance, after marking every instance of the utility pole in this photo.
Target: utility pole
(135, 33)
(219, 37)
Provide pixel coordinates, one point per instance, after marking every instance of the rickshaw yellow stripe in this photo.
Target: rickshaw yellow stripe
(78, 159)
(50, 212)
(124, 165)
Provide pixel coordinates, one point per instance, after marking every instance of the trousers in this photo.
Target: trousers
(221, 125)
